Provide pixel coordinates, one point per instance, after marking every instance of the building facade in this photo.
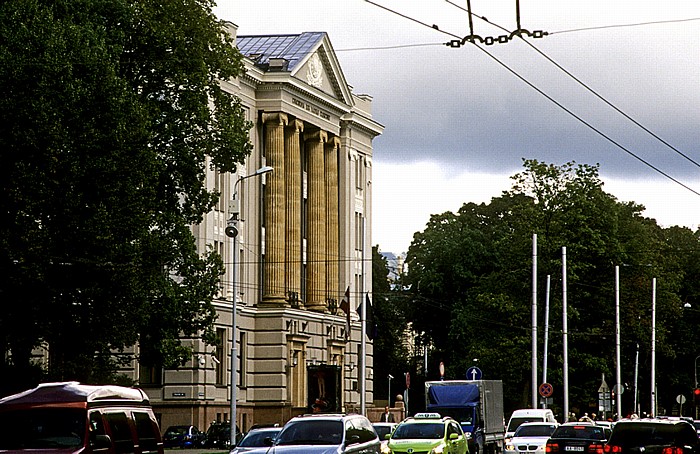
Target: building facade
(302, 247)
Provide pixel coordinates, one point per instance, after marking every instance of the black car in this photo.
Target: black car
(577, 437)
(219, 435)
(183, 437)
(652, 436)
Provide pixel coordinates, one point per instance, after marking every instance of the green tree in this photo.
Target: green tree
(111, 112)
(470, 277)
(391, 355)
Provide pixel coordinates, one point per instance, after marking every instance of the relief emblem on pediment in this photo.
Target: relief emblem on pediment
(314, 71)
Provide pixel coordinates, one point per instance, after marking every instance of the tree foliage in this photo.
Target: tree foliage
(389, 349)
(110, 113)
(470, 279)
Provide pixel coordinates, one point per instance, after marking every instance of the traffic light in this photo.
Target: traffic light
(696, 396)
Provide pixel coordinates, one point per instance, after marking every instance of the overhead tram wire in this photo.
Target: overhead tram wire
(584, 85)
(554, 101)
(638, 24)
(584, 122)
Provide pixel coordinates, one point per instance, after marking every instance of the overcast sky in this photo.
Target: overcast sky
(458, 123)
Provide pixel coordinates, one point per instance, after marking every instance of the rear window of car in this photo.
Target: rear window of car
(632, 435)
(312, 432)
(586, 432)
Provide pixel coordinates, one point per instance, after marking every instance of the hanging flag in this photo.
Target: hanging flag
(345, 306)
(370, 325)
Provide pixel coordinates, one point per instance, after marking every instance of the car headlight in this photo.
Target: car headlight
(510, 448)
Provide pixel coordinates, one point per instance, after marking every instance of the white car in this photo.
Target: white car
(530, 438)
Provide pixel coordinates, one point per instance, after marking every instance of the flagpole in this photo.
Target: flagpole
(363, 328)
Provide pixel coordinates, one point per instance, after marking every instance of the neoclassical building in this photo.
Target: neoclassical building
(303, 242)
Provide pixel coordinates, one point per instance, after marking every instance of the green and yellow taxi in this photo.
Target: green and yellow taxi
(427, 433)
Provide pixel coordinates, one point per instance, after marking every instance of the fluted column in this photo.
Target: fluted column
(332, 238)
(316, 236)
(292, 169)
(273, 283)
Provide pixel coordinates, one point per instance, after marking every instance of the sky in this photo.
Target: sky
(613, 83)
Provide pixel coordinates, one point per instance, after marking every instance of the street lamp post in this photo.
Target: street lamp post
(232, 231)
(390, 377)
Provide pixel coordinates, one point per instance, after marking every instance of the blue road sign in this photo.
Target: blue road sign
(474, 373)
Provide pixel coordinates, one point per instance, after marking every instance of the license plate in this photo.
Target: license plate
(573, 448)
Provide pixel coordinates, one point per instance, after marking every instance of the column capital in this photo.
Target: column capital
(296, 125)
(333, 142)
(275, 118)
(317, 135)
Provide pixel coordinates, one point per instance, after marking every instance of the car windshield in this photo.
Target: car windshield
(219, 430)
(585, 432)
(176, 431)
(42, 428)
(544, 430)
(427, 431)
(311, 432)
(256, 438)
(516, 422)
(382, 431)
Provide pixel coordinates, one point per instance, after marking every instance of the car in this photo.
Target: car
(530, 438)
(527, 415)
(257, 438)
(327, 433)
(185, 436)
(384, 430)
(428, 433)
(219, 435)
(696, 424)
(73, 418)
(652, 436)
(577, 437)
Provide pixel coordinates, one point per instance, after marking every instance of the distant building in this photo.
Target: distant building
(304, 240)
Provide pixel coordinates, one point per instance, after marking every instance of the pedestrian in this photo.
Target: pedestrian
(387, 416)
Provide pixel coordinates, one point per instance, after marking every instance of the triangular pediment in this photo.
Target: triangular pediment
(320, 69)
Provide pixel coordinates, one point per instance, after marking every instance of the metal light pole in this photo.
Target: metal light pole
(390, 377)
(653, 347)
(618, 367)
(232, 231)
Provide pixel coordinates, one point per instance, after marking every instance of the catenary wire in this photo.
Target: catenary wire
(584, 85)
(555, 102)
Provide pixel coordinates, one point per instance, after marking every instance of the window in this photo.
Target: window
(242, 376)
(219, 355)
(121, 433)
(146, 432)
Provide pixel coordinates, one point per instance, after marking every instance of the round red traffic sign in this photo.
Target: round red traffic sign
(546, 390)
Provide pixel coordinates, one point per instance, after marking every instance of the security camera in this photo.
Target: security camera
(231, 229)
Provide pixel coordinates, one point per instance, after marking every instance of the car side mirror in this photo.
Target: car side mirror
(267, 441)
(454, 436)
(387, 436)
(102, 442)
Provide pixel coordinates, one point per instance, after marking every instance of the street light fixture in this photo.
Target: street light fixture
(232, 231)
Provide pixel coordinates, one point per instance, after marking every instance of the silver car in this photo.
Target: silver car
(327, 434)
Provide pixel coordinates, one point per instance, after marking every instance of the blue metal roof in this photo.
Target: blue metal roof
(293, 48)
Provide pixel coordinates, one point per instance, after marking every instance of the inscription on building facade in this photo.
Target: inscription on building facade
(309, 108)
